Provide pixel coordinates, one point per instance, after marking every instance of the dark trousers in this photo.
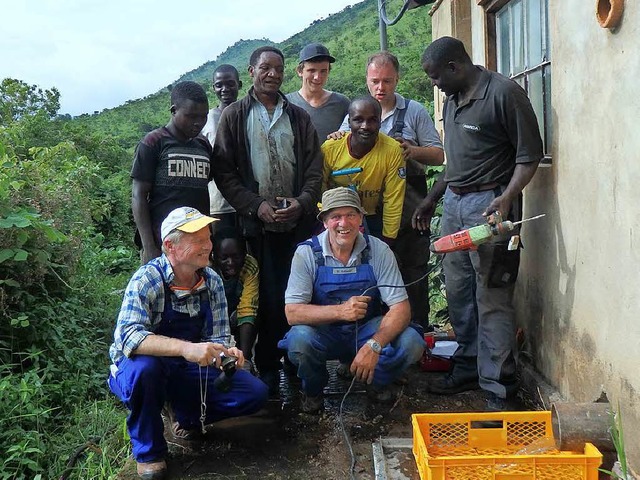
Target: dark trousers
(412, 253)
(274, 252)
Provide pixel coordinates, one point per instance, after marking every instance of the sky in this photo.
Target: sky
(101, 54)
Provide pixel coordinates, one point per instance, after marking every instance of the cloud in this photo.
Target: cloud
(100, 54)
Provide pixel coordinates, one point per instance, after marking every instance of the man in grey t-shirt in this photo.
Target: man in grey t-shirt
(326, 108)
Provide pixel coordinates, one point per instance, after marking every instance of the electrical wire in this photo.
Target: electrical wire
(382, 11)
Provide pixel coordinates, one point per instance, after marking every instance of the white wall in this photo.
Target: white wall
(580, 277)
(578, 293)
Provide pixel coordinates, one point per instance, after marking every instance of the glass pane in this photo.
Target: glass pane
(517, 25)
(503, 42)
(536, 97)
(548, 117)
(545, 21)
(534, 33)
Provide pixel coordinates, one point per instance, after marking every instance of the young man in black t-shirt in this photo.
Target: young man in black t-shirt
(171, 167)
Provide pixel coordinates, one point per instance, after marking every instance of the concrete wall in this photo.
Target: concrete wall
(578, 293)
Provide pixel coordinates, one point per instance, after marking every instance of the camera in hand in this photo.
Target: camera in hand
(228, 366)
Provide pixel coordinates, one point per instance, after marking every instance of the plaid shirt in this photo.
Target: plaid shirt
(143, 304)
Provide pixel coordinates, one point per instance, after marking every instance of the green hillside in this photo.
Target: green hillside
(351, 35)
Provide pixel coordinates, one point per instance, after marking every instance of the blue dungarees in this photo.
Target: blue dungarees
(145, 382)
(309, 347)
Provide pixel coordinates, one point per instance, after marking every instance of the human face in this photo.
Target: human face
(189, 118)
(381, 82)
(343, 225)
(267, 74)
(364, 121)
(192, 250)
(442, 77)
(226, 86)
(314, 75)
(229, 258)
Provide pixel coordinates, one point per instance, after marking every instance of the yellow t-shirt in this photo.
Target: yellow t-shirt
(382, 177)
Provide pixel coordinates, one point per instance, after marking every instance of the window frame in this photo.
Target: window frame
(492, 7)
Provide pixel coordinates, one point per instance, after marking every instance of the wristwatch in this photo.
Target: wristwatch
(375, 346)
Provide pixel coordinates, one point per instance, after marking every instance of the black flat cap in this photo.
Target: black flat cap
(315, 50)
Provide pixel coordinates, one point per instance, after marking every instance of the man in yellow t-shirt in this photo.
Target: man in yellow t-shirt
(381, 184)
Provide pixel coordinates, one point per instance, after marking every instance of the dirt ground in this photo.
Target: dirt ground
(282, 443)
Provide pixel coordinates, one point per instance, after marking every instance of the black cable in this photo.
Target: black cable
(382, 11)
(340, 419)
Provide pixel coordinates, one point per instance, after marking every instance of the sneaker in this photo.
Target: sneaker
(450, 384)
(344, 371)
(380, 394)
(309, 404)
(152, 470)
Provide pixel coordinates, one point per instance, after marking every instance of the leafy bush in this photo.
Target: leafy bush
(61, 270)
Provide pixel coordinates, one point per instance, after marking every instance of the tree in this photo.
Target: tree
(18, 99)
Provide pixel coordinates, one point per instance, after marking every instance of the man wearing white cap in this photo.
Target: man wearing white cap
(170, 335)
(334, 305)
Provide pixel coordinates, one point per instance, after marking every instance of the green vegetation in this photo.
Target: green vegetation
(66, 248)
(64, 255)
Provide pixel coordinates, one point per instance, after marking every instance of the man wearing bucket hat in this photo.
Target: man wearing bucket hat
(326, 108)
(171, 332)
(335, 307)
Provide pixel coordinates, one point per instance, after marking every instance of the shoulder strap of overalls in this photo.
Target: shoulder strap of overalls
(398, 123)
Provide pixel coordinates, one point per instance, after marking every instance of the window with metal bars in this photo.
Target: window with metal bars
(523, 53)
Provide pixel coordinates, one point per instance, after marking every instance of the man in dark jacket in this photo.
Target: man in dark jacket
(268, 165)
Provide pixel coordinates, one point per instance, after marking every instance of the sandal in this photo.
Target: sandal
(180, 433)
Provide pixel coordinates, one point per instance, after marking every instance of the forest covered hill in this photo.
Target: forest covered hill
(351, 36)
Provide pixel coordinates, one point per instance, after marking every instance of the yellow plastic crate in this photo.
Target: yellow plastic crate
(456, 446)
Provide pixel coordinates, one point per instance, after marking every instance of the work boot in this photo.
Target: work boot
(451, 384)
(152, 470)
(309, 404)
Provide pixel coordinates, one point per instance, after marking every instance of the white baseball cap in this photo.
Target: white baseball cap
(185, 219)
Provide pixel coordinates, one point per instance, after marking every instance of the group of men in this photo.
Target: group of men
(259, 164)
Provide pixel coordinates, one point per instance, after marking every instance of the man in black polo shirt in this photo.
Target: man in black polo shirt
(493, 147)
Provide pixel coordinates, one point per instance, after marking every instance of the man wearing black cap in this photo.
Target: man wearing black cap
(326, 108)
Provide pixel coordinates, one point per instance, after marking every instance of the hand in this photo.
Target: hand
(266, 212)
(499, 204)
(408, 147)
(150, 252)
(203, 353)
(336, 135)
(421, 218)
(236, 352)
(354, 309)
(291, 213)
(364, 365)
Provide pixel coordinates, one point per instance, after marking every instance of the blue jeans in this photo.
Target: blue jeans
(143, 383)
(482, 315)
(309, 348)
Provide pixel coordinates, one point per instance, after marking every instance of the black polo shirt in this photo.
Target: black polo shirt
(485, 137)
